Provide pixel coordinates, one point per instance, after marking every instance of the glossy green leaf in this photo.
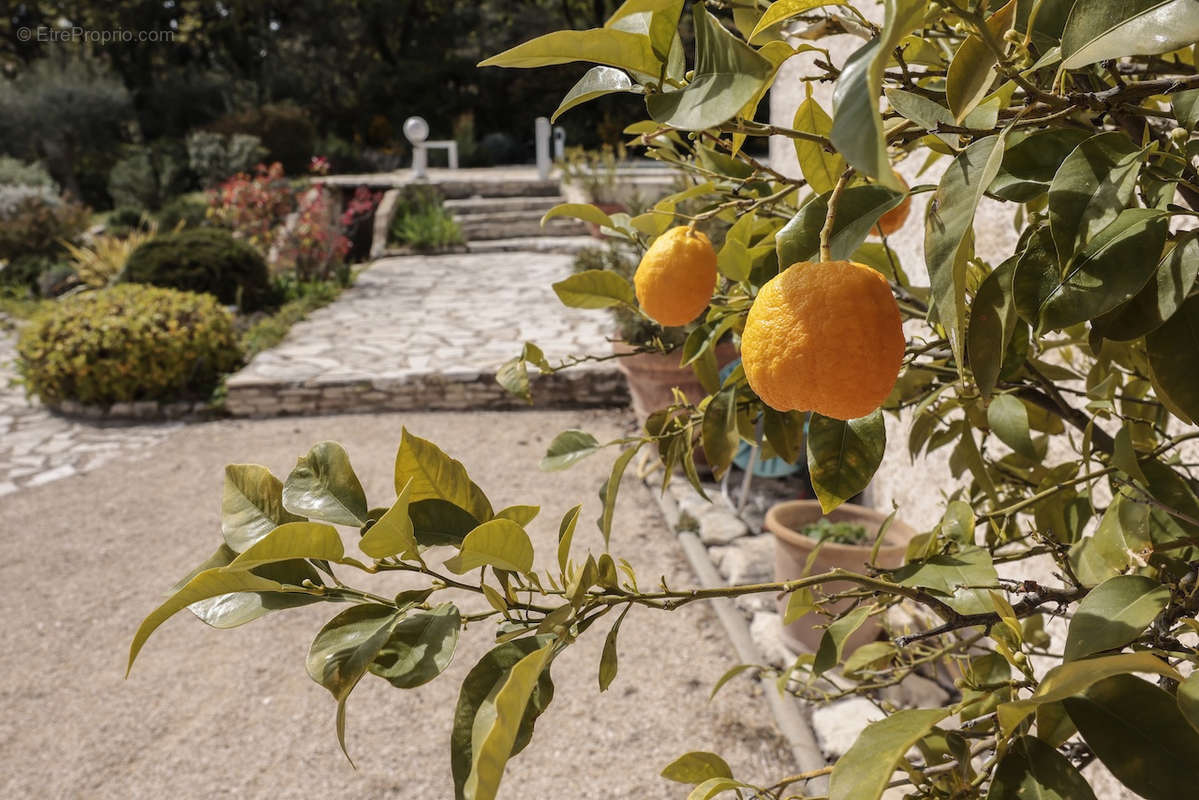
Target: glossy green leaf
(608, 657)
(1092, 186)
(972, 70)
(238, 608)
(609, 491)
(1031, 160)
(949, 574)
(1173, 351)
(290, 541)
(657, 19)
(1112, 268)
(948, 227)
(439, 522)
(323, 486)
(497, 739)
(1186, 108)
(567, 448)
(857, 132)
(1073, 677)
(719, 430)
(1122, 532)
(786, 9)
(1008, 418)
(728, 73)
(868, 656)
(696, 767)
(251, 505)
(594, 288)
(1036, 275)
(820, 167)
(343, 649)
(993, 321)
(733, 260)
(1033, 770)
(476, 712)
(206, 584)
(1188, 700)
(857, 212)
(866, 768)
(436, 475)
(784, 432)
(1139, 734)
(832, 643)
(419, 648)
(1113, 614)
(583, 211)
(393, 533)
(615, 48)
(521, 515)
(844, 455)
(596, 82)
(1103, 29)
(1160, 298)
(566, 532)
(499, 543)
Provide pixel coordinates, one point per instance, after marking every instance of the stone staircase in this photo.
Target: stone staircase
(491, 223)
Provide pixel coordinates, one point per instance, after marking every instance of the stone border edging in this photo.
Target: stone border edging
(137, 411)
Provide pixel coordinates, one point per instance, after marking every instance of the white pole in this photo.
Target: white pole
(542, 131)
(559, 143)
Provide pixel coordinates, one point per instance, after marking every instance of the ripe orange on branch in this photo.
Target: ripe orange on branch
(824, 337)
(676, 277)
(894, 219)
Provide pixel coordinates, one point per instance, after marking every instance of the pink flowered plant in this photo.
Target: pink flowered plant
(319, 165)
(254, 206)
(314, 244)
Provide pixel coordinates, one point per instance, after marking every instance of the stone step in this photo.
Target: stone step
(453, 189)
(506, 226)
(485, 205)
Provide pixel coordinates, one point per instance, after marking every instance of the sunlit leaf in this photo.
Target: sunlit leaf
(437, 476)
(323, 486)
(866, 768)
(843, 456)
(1102, 29)
(499, 543)
(251, 505)
(1113, 614)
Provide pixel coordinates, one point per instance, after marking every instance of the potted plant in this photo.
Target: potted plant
(845, 538)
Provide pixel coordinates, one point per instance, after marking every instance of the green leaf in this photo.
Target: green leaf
(596, 82)
(251, 505)
(857, 132)
(993, 320)
(1008, 418)
(729, 674)
(865, 770)
(948, 229)
(290, 541)
(1186, 108)
(946, 574)
(1092, 186)
(476, 712)
(343, 649)
(608, 658)
(500, 543)
(436, 475)
(439, 522)
(733, 260)
(566, 532)
(1173, 351)
(206, 584)
(728, 73)
(393, 533)
(1033, 770)
(1036, 275)
(1110, 270)
(1031, 160)
(1160, 298)
(832, 643)
(238, 608)
(868, 655)
(594, 288)
(799, 604)
(1122, 533)
(1113, 614)
(820, 168)
(1103, 29)
(498, 738)
(583, 211)
(521, 515)
(857, 212)
(1139, 734)
(844, 455)
(784, 432)
(419, 648)
(657, 19)
(696, 767)
(609, 490)
(786, 9)
(567, 448)
(720, 437)
(323, 486)
(972, 70)
(615, 48)
(1188, 699)
(1073, 677)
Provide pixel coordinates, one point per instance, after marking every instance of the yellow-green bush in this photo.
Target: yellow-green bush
(129, 342)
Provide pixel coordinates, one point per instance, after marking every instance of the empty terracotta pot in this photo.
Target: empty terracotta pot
(791, 551)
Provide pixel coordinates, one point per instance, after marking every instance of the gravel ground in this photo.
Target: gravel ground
(233, 714)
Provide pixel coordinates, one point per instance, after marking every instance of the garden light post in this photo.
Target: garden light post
(416, 130)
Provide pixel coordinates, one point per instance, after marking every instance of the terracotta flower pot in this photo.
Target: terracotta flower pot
(791, 551)
(652, 377)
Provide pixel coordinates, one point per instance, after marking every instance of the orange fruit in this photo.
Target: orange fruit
(894, 219)
(676, 277)
(824, 337)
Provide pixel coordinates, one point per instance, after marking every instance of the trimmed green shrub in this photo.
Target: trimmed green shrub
(203, 260)
(189, 210)
(128, 343)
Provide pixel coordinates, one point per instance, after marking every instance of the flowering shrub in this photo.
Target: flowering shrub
(313, 244)
(357, 220)
(254, 206)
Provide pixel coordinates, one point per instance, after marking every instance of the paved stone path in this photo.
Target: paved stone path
(429, 332)
(37, 447)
